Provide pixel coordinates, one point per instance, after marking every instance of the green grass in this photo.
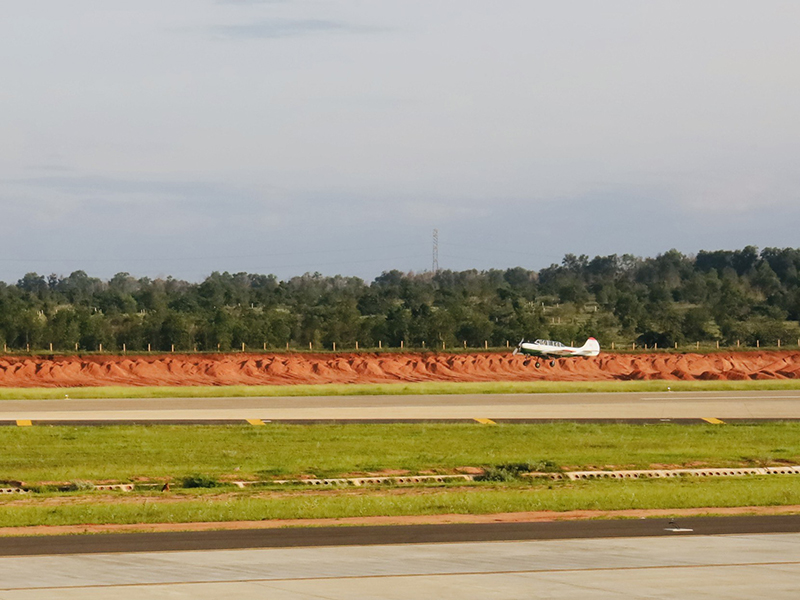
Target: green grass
(125, 452)
(46, 454)
(357, 389)
(595, 495)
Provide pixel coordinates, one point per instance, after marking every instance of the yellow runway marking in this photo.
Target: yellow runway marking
(486, 422)
(255, 421)
(713, 421)
(24, 423)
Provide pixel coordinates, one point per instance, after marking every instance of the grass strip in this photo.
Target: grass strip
(385, 389)
(595, 495)
(128, 452)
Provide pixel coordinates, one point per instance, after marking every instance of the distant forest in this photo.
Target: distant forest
(716, 296)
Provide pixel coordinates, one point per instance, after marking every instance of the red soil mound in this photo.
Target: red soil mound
(266, 369)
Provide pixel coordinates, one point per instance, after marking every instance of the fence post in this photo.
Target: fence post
(655, 346)
(758, 343)
(334, 346)
(172, 348)
(380, 344)
(697, 345)
(356, 345)
(717, 344)
(51, 346)
(633, 346)
(737, 343)
(444, 346)
(779, 343)
(423, 344)
(485, 344)
(124, 348)
(148, 347)
(465, 344)
(612, 345)
(507, 343)
(402, 345)
(265, 346)
(287, 346)
(101, 347)
(676, 345)
(309, 345)
(242, 346)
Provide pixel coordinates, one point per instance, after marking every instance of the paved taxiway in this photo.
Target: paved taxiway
(731, 567)
(630, 405)
(287, 537)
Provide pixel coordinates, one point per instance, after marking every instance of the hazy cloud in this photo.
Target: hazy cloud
(283, 28)
(111, 187)
(55, 168)
(246, 2)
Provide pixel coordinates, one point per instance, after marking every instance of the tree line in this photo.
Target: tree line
(724, 296)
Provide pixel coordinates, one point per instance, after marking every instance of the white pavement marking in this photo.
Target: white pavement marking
(673, 395)
(734, 566)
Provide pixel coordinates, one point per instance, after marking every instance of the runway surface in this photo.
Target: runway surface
(392, 534)
(604, 406)
(733, 567)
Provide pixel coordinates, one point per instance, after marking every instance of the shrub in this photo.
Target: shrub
(79, 485)
(198, 480)
(514, 471)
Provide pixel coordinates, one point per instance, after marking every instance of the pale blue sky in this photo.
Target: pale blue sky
(181, 137)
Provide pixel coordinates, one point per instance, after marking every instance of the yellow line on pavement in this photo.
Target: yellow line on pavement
(255, 421)
(24, 423)
(486, 422)
(713, 421)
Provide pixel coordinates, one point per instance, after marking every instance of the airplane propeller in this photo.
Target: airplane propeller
(517, 349)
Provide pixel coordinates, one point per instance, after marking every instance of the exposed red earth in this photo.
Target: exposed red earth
(283, 369)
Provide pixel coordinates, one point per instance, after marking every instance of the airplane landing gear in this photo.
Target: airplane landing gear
(537, 364)
(552, 363)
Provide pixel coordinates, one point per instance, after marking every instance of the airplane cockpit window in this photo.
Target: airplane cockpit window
(549, 343)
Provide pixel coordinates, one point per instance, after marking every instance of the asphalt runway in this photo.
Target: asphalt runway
(652, 406)
(393, 534)
(740, 566)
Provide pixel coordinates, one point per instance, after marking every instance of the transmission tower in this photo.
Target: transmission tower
(435, 264)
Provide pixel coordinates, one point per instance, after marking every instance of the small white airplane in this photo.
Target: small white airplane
(547, 349)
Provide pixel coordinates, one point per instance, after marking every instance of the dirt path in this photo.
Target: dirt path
(283, 369)
(520, 517)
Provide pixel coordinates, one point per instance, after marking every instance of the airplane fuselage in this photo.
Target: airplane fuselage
(550, 349)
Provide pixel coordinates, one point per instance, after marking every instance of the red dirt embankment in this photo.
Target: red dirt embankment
(272, 369)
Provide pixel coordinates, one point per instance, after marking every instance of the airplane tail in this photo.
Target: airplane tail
(592, 346)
